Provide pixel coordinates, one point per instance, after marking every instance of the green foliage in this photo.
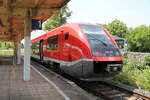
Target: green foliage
(117, 27)
(136, 75)
(58, 19)
(6, 45)
(147, 60)
(6, 52)
(139, 39)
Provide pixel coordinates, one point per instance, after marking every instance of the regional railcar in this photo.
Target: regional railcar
(82, 50)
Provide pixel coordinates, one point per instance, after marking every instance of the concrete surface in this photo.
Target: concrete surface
(44, 85)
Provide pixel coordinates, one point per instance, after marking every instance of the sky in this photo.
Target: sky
(131, 12)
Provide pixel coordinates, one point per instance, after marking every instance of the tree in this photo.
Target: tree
(9, 46)
(139, 39)
(117, 27)
(58, 19)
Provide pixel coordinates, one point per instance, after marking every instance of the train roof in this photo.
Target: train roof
(39, 38)
(74, 26)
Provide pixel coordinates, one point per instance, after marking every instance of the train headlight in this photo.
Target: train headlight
(108, 69)
(115, 68)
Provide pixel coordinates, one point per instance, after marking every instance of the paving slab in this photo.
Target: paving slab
(13, 87)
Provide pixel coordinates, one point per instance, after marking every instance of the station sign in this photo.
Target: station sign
(36, 24)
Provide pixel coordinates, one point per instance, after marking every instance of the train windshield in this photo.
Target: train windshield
(100, 43)
(96, 33)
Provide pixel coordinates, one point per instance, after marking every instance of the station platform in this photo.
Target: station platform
(44, 85)
(6, 60)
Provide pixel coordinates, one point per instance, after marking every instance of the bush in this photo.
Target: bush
(143, 80)
(147, 60)
(136, 75)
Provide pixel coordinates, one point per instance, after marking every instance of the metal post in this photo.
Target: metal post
(19, 54)
(27, 47)
(15, 54)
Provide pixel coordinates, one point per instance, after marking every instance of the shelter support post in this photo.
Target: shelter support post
(27, 48)
(15, 54)
(19, 54)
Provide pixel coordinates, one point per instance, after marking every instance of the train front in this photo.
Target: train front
(107, 59)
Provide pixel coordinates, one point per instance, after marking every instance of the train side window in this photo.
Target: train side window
(66, 35)
(53, 43)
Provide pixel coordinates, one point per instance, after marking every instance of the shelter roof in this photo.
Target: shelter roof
(13, 13)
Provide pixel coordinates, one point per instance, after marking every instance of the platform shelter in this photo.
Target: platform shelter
(16, 20)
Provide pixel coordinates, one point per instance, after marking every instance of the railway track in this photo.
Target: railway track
(107, 90)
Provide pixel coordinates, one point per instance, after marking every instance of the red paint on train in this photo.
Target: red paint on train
(77, 41)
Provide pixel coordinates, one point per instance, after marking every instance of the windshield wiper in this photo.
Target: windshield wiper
(98, 40)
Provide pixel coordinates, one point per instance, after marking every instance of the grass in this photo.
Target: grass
(6, 52)
(135, 74)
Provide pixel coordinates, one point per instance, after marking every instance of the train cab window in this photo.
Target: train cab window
(53, 43)
(66, 36)
(99, 41)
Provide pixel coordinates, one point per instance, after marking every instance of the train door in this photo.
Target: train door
(66, 47)
(41, 50)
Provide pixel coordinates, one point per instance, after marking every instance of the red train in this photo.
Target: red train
(82, 50)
